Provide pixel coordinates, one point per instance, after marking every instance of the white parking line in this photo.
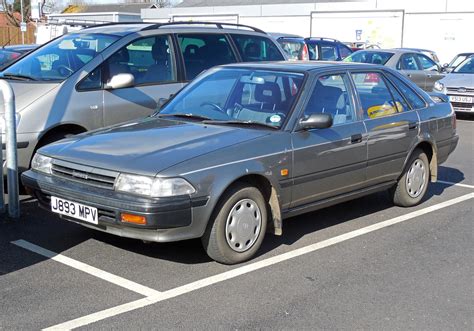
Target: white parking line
(95, 317)
(455, 184)
(111, 278)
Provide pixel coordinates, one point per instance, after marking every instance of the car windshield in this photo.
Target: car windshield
(60, 58)
(467, 67)
(369, 57)
(238, 96)
(457, 60)
(292, 47)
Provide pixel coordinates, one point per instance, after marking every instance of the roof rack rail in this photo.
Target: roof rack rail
(84, 23)
(100, 24)
(219, 25)
(322, 38)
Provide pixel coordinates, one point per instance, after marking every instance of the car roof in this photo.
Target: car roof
(125, 28)
(416, 49)
(20, 47)
(302, 66)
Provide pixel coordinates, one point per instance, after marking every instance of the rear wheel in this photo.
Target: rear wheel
(237, 226)
(412, 186)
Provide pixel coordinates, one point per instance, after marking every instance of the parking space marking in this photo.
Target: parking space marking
(117, 310)
(107, 276)
(455, 184)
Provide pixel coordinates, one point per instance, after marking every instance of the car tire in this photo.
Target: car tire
(237, 226)
(413, 184)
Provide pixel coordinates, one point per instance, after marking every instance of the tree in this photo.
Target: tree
(13, 11)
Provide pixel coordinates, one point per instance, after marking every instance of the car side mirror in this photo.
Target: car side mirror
(445, 65)
(120, 81)
(161, 103)
(316, 121)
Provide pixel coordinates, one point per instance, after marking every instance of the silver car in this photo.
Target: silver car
(459, 86)
(418, 67)
(113, 73)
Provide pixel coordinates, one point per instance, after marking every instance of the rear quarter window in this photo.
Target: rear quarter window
(256, 48)
(415, 101)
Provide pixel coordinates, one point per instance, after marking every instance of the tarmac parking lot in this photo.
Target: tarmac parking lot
(364, 264)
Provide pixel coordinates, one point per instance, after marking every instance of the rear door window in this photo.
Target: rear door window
(374, 95)
(427, 63)
(256, 48)
(203, 51)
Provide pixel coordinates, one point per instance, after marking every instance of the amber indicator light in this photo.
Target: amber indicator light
(135, 219)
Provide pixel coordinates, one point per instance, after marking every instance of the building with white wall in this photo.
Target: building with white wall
(442, 25)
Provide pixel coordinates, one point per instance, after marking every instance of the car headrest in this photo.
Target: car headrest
(268, 92)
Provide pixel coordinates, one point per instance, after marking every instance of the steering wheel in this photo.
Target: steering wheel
(213, 105)
(64, 70)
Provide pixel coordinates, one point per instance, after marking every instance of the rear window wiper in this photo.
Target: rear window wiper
(243, 123)
(18, 76)
(185, 115)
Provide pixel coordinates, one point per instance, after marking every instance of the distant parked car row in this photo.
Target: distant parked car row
(9, 54)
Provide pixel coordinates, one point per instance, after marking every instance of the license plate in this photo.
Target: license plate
(74, 210)
(458, 98)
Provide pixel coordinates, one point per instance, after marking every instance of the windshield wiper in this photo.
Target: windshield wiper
(242, 123)
(18, 76)
(186, 115)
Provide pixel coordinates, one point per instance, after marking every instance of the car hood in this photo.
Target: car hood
(28, 92)
(147, 146)
(459, 80)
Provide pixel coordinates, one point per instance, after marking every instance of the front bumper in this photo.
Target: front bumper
(167, 219)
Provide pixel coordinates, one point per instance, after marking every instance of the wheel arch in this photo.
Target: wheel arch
(270, 194)
(428, 146)
(71, 128)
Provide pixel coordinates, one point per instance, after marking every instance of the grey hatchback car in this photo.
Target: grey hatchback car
(245, 146)
(107, 74)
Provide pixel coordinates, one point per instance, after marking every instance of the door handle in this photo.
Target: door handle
(409, 75)
(412, 125)
(429, 75)
(356, 138)
(93, 107)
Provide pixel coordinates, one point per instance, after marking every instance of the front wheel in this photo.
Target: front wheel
(237, 226)
(412, 185)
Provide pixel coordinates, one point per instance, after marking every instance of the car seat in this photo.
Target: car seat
(160, 71)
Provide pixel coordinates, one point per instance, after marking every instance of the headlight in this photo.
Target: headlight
(3, 124)
(439, 86)
(153, 187)
(41, 163)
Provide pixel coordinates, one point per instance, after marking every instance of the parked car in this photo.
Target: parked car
(431, 54)
(243, 147)
(458, 59)
(459, 86)
(327, 49)
(418, 67)
(8, 54)
(113, 73)
(294, 45)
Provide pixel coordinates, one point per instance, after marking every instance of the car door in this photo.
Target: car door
(431, 69)
(151, 62)
(391, 124)
(329, 162)
(410, 67)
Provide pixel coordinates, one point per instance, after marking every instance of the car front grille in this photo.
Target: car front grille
(464, 91)
(462, 106)
(84, 175)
